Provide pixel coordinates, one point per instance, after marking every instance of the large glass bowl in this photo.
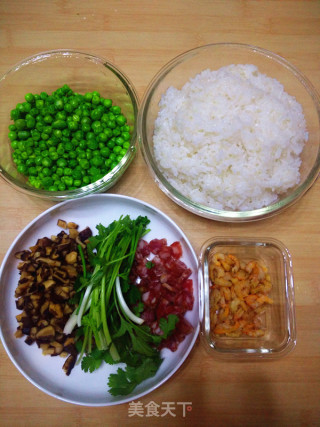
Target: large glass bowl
(187, 65)
(83, 72)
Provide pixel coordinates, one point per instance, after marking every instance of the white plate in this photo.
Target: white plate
(46, 372)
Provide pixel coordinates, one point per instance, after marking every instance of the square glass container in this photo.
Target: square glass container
(278, 319)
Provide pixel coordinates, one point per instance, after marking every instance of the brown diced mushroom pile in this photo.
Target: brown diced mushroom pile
(48, 272)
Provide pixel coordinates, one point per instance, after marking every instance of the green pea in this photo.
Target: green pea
(46, 162)
(116, 132)
(93, 171)
(39, 103)
(27, 107)
(86, 121)
(115, 109)
(125, 135)
(43, 95)
(58, 104)
(85, 127)
(30, 162)
(72, 155)
(105, 151)
(32, 171)
(15, 114)
(96, 161)
(23, 134)
(67, 171)
(117, 149)
(120, 141)
(72, 125)
(48, 118)
(84, 163)
(54, 155)
(46, 171)
(92, 144)
(102, 137)
(108, 163)
(12, 135)
(14, 144)
(68, 146)
(77, 182)
(73, 163)
(20, 124)
(95, 100)
(88, 96)
(76, 173)
(30, 122)
(59, 124)
(111, 124)
(97, 127)
(113, 165)
(62, 186)
(86, 180)
(107, 103)
(47, 182)
(34, 112)
(57, 133)
(61, 163)
(22, 169)
(29, 97)
(121, 120)
(68, 180)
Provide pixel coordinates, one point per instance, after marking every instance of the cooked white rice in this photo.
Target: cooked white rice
(230, 139)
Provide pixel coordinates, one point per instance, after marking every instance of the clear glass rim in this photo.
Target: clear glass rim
(202, 210)
(111, 177)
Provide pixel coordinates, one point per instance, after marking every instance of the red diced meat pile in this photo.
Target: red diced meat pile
(166, 288)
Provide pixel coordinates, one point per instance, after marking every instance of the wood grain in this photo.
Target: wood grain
(140, 37)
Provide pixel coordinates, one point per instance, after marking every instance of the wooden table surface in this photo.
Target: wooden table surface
(140, 37)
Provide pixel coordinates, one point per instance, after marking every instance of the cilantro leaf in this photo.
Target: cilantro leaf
(126, 380)
(92, 361)
(168, 325)
(90, 364)
(150, 264)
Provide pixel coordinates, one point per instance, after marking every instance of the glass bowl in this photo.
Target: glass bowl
(274, 333)
(83, 72)
(186, 66)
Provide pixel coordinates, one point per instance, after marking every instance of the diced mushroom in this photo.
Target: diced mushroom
(47, 274)
(56, 310)
(48, 283)
(73, 233)
(46, 334)
(61, 223)
(72, 225)
(51, 262)
(69, 364)
(71, 257)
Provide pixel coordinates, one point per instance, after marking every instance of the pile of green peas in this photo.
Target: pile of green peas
(65, 140)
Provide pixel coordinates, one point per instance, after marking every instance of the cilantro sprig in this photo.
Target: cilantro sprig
(110, 329)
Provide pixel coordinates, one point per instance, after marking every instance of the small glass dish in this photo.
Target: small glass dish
(82, 72)
(278, 319)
